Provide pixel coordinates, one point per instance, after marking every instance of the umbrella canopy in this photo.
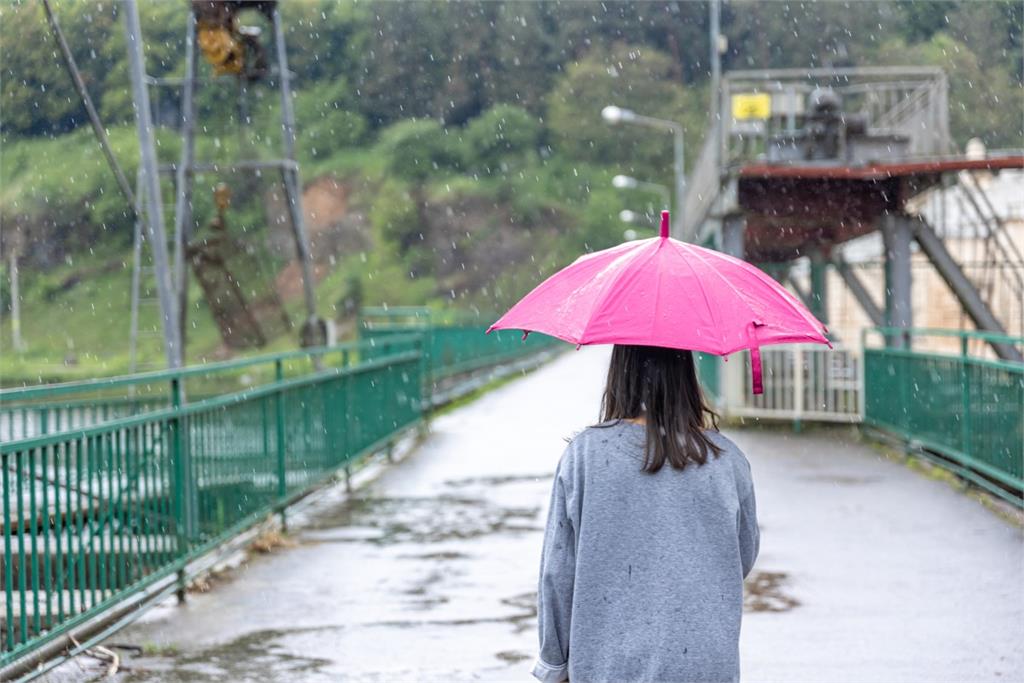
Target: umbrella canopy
(663, 292)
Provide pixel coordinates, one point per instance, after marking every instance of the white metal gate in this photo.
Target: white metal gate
(800, 383)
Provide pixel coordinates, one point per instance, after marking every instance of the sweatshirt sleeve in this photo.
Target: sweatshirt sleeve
(554, 593)
(750, 535)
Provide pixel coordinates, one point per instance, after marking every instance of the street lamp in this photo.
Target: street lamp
(625, 182)
(627, 216)
(616, 115)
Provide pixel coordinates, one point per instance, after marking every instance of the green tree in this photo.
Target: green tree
(983, 102)
(629, 76)
(417, 149)
(500, 135)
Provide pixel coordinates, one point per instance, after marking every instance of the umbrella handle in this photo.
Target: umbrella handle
(755, 370)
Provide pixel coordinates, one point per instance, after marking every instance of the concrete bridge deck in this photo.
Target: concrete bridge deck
(869, 571)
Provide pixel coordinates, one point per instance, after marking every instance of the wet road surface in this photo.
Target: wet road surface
(868, 571)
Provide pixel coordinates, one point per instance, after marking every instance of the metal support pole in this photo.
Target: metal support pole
(896, 236)
(801, 293)
(717, 125)
(716, 55)
(734, 227)
(680, 173)
(94, 119)
(819, 285)
(137, 237)
(859, 291)
(184, 178)
(151, 178)
(291, 176)
(964, 290)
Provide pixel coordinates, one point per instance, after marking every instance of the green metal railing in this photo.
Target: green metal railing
(968, 409)
(114, 484)
(709, 371)
(454, 343)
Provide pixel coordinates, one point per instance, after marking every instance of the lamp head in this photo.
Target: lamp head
(614, 115)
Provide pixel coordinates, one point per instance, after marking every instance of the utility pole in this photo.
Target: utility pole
(151, 181)
(183, 180)
(716, 55)
(293, 188)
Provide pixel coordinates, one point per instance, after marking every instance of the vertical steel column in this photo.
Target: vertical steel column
(184, 178)
(714, 38)
(859, 291)
(897, 234)
(819, 285)
(291, 175)
(734, 228)
(83, 93)
(151, 178)
(137, 237)
(680, 178)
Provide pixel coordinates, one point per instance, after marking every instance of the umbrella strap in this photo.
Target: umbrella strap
(755, 370)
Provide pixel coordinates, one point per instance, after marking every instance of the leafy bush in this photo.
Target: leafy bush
(416, 149)
(500, 135)
(395, 222)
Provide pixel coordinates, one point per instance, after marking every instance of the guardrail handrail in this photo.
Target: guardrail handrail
(93, 514)
(942, 332)
(56, 389)
(965, 412)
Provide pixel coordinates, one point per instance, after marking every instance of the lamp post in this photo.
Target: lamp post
(616, 115)
(625, 182)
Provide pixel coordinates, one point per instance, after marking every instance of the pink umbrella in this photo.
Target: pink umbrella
(663, 292)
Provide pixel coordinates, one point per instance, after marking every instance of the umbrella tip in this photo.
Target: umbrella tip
(664, 223)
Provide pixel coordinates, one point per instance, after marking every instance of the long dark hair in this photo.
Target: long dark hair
(661, 386)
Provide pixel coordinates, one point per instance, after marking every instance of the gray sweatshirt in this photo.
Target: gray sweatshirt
(642, 574)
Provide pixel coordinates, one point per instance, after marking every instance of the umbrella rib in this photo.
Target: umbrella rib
(610, 286)
(707, 300)
(745, 298)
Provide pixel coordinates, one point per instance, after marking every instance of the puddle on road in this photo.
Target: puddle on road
(246, 658)
(766, 592)
(843, 479)
(497, 481)
(414, 520)
(511, 657)
(445, 556)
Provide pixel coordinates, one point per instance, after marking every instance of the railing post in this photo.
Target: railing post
(421, 407)
(798, 388)
(965, 399)
(862, 377)
(282, 482)
(182, 477)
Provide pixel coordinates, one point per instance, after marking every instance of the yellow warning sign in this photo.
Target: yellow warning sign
(751, 106)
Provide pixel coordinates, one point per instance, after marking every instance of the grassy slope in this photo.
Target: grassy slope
(84, 330)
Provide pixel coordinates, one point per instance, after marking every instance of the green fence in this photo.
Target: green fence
(112, 485)
(966, 408)
(709, 371)
(454, 343)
